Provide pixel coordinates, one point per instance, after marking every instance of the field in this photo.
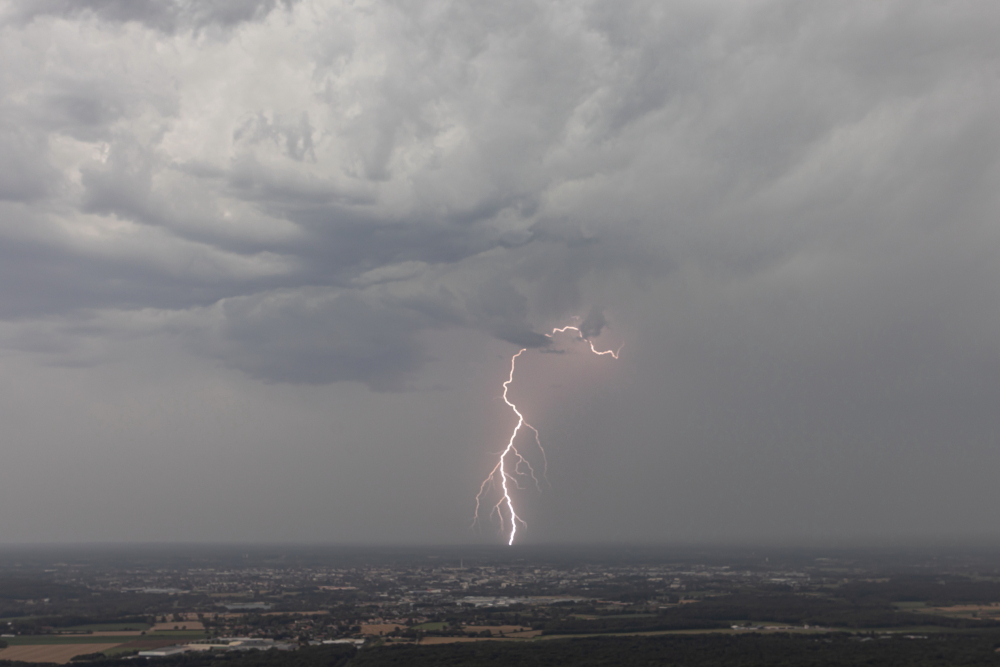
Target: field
(106, 627)
(430, 626)
(101, 633)
(380, 628)
(459, 640)
(177, 634)
(66, 640)
(148, 642)
(58, 653)
(524, 634)
(967, 610)
(496, 629)
(61, 648)
(178, 625)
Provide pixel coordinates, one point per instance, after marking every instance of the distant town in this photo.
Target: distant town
(84, 605)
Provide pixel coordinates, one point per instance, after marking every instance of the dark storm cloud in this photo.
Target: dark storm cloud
(593, 324)
(385, 171)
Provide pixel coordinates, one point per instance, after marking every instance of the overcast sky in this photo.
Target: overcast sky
(263, 264)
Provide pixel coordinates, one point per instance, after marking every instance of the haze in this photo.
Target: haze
(263, 265)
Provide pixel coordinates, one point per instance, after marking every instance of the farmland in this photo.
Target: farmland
(178, 625)
(58, 653)
(67, 640)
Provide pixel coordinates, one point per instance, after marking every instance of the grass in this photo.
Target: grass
(120, 650)
(28, 640)
(904, 630)
(179, 635)
(917, 629)
(430, 626)
(34, 640)
(106, 627)
(909, 606)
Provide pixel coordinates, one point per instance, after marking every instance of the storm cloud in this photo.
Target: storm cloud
(777, 204)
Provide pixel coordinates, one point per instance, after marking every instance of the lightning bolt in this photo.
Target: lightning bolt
(508, 470)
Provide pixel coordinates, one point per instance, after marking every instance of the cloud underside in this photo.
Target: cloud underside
(302, 190)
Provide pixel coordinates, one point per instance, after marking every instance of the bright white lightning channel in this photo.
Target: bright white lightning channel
(512, 465)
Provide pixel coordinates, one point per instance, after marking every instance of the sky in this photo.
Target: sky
(264, 264)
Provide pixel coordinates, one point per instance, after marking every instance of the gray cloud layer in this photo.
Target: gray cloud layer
(360, 151)
(291, 166)
(790, 209)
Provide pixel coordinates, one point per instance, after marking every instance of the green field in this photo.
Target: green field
(34, 640)
(30, 640)
(429, 626)
(106, 627)
(898, 630)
